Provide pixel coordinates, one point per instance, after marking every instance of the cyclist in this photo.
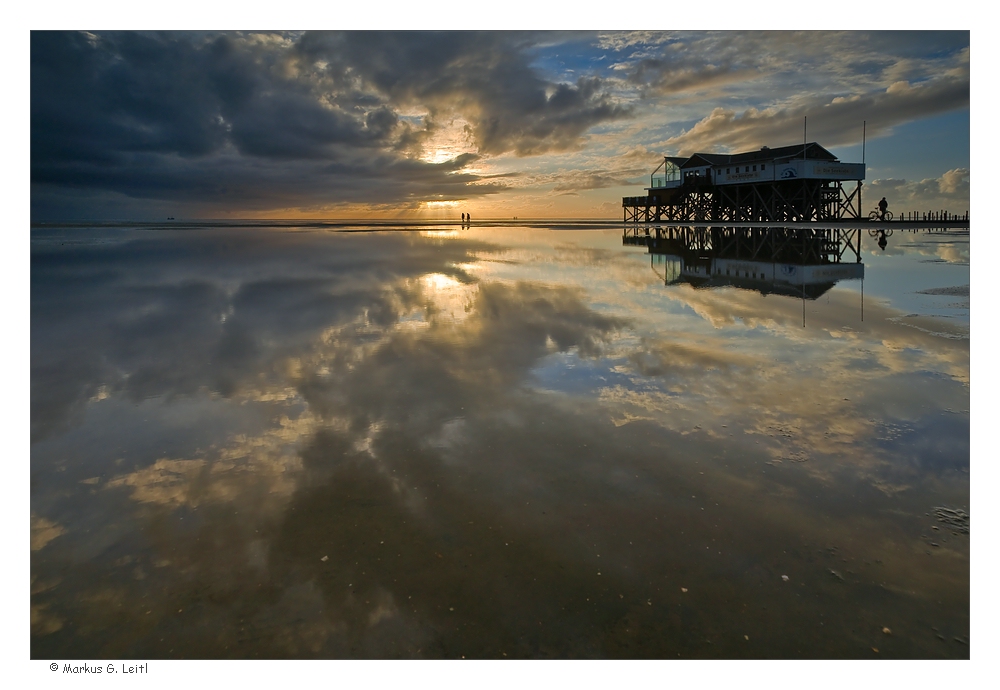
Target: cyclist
(883, 206)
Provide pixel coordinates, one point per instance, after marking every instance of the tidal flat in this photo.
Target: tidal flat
(504, 442)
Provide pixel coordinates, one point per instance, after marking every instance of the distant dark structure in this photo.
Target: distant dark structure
(799, 262)
(788, 184)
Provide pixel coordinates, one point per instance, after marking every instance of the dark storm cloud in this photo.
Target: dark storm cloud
(178, 94)
(92, 99)
(215, 121)
(231, 181)
(486, 77)
(259, 122)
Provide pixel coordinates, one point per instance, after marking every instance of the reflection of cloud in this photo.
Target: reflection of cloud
(748, 357)
(381, 374)
(657, 358)
(43, 531)
(791, 406)
(400, 491)
(42, 622)
(165, 482)
(269, 460)
(366, 377)
(425, 376)
(168, 316)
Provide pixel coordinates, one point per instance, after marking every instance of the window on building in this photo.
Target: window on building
(761, 166)
(727, 171)
(755, 168)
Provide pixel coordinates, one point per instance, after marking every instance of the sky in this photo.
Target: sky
(498, 124)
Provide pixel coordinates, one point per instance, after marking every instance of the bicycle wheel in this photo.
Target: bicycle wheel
(888, 215)
(888, 232)
(872, 232)
(873, 215)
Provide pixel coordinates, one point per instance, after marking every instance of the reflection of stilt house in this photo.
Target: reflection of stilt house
(786, 184)
(800, 262)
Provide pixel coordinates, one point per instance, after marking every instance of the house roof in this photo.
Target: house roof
(812, 150)
(700, 159)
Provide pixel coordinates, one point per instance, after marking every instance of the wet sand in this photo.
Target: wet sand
(502, 443)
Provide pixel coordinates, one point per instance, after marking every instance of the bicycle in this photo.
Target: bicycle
(875, 232)
(878, 215)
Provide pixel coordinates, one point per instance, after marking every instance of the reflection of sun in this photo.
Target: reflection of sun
(446, 300)
(439, 281)
(439, 234)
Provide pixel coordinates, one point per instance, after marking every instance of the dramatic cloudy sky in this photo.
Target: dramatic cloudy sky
(499, 124)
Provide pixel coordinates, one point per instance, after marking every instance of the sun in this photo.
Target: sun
(447, 141)
(440, 155)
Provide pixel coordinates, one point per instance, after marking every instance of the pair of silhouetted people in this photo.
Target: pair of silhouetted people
(466, 218)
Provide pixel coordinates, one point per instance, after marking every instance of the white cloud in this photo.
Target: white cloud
(948, 192)
(831, 121)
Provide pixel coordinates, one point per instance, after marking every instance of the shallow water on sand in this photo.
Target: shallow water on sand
(500, 442)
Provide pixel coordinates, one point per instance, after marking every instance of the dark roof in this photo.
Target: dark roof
(813, 151)
(699, 159)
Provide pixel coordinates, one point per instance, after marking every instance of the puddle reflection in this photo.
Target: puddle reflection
(493, 442)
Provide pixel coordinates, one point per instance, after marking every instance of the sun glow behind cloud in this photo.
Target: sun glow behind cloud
(447, 142)
(442, 154)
